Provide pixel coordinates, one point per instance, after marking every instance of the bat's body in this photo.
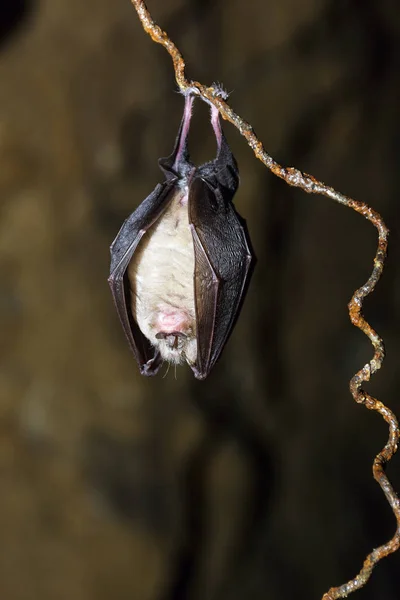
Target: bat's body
(180, 262)
(161, 281)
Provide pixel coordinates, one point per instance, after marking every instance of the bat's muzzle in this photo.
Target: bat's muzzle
(174, 339)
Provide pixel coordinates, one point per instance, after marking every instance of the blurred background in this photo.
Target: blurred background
(257, 482)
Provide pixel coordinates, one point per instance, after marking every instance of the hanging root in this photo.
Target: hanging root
(212, 95)
(371, 403)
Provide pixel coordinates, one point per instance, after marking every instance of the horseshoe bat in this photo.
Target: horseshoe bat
(181, 260)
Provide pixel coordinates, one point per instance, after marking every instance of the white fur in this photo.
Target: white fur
(161, 278)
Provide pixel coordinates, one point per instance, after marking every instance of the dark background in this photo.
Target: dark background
(257, 482)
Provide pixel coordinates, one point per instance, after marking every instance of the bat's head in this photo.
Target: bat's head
(177, 347)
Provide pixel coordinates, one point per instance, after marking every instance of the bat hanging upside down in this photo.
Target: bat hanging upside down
(180, 262)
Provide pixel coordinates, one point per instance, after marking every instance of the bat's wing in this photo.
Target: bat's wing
(122, 250)
(222, 263)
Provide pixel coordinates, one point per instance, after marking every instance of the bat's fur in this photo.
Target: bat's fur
(161, 279)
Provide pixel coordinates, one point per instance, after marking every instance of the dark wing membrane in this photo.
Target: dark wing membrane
(206, 284)
(222, 262)
(122, 250)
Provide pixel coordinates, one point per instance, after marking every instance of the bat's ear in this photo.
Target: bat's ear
(178, 163)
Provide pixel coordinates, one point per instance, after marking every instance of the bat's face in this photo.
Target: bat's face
(180, 262)
(161, 280)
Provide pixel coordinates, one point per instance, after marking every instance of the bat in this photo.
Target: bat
(181, 261)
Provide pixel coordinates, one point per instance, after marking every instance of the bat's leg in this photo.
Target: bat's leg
(187, 115)
(216, 124)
